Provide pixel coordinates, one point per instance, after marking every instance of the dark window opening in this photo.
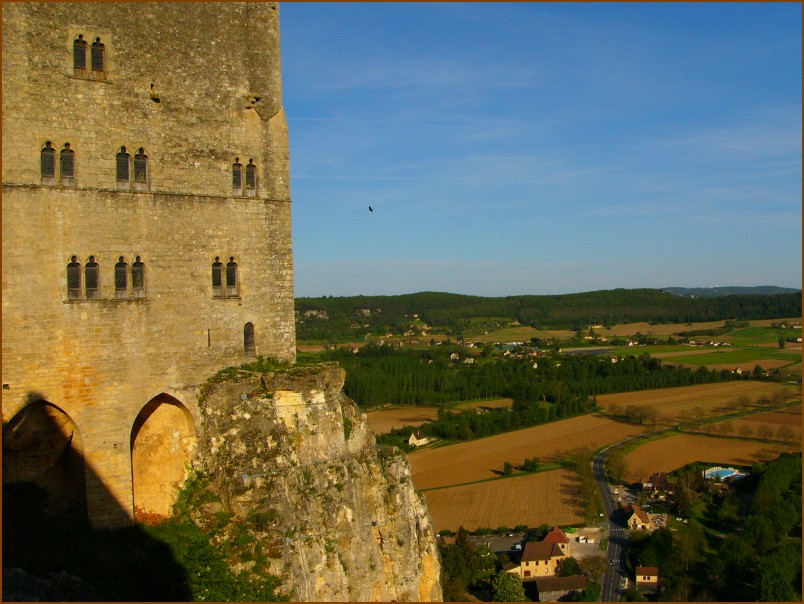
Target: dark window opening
(217, 273)
(122, 169)
(121, 278)
(47, 164)
(231, 277)
(138, 278)
(237, 177)
(91, 279)
(73, 279)
(141, 170)
(248, 340)
(67, 166)
(251, 178)
(80, 56)
(98, 59)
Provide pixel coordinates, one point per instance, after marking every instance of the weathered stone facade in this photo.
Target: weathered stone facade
(189, 89)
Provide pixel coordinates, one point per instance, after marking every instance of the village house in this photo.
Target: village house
(647, 578)
(638, 519)
(541, 558)
(557, 536)
(418, 439)
(551, 589)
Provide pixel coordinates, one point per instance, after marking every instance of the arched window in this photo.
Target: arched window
(80, 56)
(231, 277)
(73, 279)
(98, 59)
(121, 278)
(217, 277)
(47, 164)
(122, 169)
(141, 170)
(251, 178)
(138, 278)
(248, 340)
(67, 166)
(237, 177)
(91, 279)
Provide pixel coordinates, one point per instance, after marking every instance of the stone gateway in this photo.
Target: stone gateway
(146, 237)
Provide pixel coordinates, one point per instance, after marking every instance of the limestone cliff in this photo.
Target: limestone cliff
(292, 458)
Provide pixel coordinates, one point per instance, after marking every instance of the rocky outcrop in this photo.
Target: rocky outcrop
(292, 458)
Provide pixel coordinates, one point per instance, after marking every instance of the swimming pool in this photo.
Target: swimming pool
(723, 473)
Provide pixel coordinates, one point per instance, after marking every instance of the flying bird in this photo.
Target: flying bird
(371, 209)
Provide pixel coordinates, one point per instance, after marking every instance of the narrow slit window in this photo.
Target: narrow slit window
(141, 170)
(73, 279)
(91, 279)
(248, 340)
(122, 169)
(251, 178)
(47, 164)
(98, 59)
(138, 278)
(231, 277)
(121, 278)
(237, 177)
(217, 277)
(67, 166)
(80, 56)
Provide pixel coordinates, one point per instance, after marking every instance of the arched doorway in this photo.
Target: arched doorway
(42, 446)
(162, 441)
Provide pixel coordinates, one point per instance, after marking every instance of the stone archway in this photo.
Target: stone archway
(42, 445)
(162, 442)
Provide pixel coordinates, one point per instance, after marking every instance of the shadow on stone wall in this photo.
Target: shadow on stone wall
(46, 532)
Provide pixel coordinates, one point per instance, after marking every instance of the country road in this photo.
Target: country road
(618, 534)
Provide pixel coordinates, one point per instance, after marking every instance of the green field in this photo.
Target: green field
(736, 356)
(759, 335)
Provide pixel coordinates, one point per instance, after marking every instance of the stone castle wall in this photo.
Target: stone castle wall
(100, 361)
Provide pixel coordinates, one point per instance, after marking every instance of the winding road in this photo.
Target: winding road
(618, 534)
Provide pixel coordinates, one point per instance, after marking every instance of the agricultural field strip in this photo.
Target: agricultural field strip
(668, 454)
(742, 355)
(382, 421)
(477, 460)
(787, 416)
(684, 398)
(534, 499)
(544, 467)
(480, 459)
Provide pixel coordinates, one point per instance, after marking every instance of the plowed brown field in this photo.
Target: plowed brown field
(629, 329)
(384, 420)
(668, 454)
(544, 498)
(712, 398)
(479, 459)
(791, 416)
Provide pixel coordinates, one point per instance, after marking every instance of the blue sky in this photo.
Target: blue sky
(542, 148)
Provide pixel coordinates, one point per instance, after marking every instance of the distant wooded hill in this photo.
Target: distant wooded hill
(333, 318)
(728, 290)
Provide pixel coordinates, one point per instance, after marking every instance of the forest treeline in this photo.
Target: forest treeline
(379, 375)
(352, 316)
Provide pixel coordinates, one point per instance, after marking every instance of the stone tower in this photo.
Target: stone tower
(146, 236)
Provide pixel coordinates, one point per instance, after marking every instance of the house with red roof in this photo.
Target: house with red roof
(541, 558)
(557, 536)
(638, 519)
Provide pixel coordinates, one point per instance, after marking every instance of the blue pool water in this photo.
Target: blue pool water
(723, 473)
